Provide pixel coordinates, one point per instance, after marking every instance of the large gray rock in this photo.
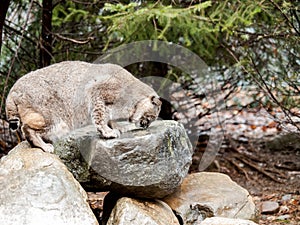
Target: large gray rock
(149, 163)
(36, 188)
(130, 211)
(204, 194)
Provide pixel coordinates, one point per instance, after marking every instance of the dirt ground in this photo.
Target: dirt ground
(263, 157)
(268, 176)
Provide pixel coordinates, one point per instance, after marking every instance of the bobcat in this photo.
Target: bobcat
(50, 102)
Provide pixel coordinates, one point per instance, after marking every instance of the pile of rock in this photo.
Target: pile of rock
(203, 198)
(149, 167)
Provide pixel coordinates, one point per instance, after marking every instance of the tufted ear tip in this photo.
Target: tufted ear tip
(156, 100)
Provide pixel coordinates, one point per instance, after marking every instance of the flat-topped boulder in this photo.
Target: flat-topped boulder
(149, 163)
(207, 194)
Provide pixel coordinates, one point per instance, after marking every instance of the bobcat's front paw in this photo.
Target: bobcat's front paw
(109, 133)
(48, 148)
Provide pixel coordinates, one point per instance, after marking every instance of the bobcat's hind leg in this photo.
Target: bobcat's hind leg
(33, 123)
(35, 139)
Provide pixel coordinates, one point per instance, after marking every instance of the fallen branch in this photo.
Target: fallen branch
(239, 168)
(73, 40)
(259, 170)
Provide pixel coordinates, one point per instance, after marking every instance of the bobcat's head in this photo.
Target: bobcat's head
(146, 111)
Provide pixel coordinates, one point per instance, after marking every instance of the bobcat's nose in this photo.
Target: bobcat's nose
(145, 122)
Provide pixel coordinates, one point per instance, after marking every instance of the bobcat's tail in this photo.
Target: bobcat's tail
(12, 113)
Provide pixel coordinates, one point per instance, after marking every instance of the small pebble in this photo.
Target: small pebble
(283, 217)
(269, 207)
(286, 197)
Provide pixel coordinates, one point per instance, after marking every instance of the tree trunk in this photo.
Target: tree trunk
(46, 38)
(3, 11)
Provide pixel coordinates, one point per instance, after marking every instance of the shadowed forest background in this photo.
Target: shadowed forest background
(248, 43)
(252, 47)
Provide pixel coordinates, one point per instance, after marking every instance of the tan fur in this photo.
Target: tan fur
(55, 100)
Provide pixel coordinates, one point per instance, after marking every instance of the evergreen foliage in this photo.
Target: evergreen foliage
(256, 42)
(247, 42)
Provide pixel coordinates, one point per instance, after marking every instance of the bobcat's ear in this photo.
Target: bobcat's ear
(155, 101)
